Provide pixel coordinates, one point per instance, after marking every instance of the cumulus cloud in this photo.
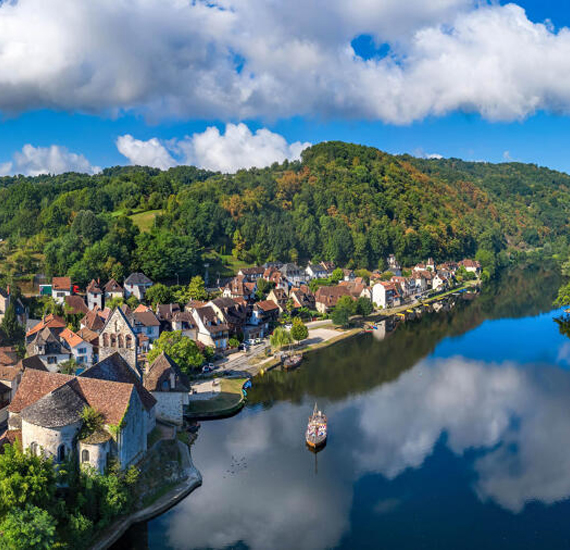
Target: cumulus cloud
(237, 148)
(34, 161)
(233, 59)
(145, 153)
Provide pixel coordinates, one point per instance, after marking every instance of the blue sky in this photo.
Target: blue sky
(89, 99)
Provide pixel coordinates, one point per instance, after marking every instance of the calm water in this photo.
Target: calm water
(452, 432)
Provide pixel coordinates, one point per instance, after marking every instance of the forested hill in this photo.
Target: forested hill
(346, 203)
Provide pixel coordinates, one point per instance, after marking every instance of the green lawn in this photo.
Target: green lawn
(224, 264)
(144, 220)
(225, 402)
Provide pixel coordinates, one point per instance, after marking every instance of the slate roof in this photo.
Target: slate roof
(110, 398)
(61, 407)
(34, 362)
(89, 336)
(138, 279)
(116, 369)
(210, 320)
(166, 311)
(76, 304)
(160, 371)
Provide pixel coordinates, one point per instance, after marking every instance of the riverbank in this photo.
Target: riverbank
(161, 504)
(226, 398)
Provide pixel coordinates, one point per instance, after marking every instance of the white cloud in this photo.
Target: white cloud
(237, 148)
(434, 156)
(145, 153)
(33, 161)
(244, 59)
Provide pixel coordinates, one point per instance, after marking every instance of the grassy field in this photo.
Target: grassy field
(144, 220)
(228, 400)
(224, 264)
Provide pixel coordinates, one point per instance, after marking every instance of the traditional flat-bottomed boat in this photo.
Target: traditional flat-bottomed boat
(316, 434)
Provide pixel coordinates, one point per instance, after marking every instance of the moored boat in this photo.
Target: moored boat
(292, 361)
(316, 434)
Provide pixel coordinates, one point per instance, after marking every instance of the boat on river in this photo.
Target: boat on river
(292, 361)
(316, 434)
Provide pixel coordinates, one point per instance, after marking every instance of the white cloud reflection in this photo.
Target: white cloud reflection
(260, 488)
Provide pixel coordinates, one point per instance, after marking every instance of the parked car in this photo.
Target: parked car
(243, 347)
(288, 326)
(206, 369)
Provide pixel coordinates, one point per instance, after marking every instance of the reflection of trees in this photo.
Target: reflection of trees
(563, 323)
(361, 363)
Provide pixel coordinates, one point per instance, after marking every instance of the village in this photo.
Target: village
(42, 400)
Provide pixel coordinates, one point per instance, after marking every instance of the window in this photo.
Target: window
(165, 385)
(52, 360)
(82, 351)
(61, 453)
(34, 448)
(129, 341)
(113, 341)
(106, 340)
(84, 455)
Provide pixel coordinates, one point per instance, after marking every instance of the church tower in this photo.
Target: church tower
(118, 336)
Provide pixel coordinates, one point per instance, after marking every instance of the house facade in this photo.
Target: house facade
(136, 284)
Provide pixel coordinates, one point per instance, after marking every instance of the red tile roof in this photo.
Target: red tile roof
(61, 283)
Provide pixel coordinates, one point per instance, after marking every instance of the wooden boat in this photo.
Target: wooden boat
(316, 434)
(292, 361)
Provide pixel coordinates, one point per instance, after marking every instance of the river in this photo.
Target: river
(450, 432)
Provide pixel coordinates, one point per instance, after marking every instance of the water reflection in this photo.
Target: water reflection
(458, 415)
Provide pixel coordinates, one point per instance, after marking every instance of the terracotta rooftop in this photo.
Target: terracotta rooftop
(61, 283)
(117, 369)
(34, 385)
(50, 321)
(34, 362)
(76, 304)
(113, 286)
(71, 338)
(7, 374)
(267, 305)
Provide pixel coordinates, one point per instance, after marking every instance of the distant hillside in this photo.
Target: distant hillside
(346, 203)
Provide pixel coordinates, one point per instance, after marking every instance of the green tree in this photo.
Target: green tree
(342, 311)
(197, 289)
(563, 298)
(158, 294)
(180, 348)
(363, 306)
(25, 479)
(114, 302)
(299, 331)
(26, 529)
(337, 276)
(12, 331)
(280, 338)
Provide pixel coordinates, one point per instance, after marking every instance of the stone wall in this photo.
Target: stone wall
(49, 439)
(169, 406)
(132, 439)
(119, 336)
(98, 455)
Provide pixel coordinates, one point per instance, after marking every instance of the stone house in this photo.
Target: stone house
(230, 312)
(119, 336)
(137, 284)
(10, 378)
(50, 348)
(327, 297)
(81, 349)
(184, 322)
(329, 267)
(211, 331)
(316, 271)
(293, 273)
(60, 288)
(147, 323)
(394, 266)
(169, 386)
(264, 315)
(55, 323)
(95, 295)
(252, 273)
(95, 319)
(113, 290)
(239, 287)
(279, 296)
(302, 297)
(46, 414)
(471, 266)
